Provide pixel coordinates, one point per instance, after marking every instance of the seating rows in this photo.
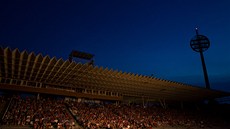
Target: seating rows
(43, 113)
(94, 116)
(48, 113)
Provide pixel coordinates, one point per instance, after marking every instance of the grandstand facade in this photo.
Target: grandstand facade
(24, 71)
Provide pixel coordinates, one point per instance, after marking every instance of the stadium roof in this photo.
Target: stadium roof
(28, 66)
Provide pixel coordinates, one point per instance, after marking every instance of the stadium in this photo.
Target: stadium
(43, 92)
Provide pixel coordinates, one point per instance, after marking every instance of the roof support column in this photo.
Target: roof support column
(143, 101)
(38, 96)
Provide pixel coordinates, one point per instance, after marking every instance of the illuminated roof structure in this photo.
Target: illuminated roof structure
(49, 70)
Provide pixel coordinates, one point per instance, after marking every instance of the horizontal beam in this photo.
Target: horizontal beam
(58, 92)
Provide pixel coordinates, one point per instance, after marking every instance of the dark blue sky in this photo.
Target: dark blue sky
(139, 36)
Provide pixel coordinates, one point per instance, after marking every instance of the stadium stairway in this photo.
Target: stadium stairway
(4, 108)
(77, 126)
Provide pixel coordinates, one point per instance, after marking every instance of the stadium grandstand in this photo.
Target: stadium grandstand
(93, 96)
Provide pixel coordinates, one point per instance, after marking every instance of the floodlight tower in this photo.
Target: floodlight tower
(200, 43)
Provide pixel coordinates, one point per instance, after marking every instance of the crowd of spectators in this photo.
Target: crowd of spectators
(94, 116)
(39, 114)
(51, 113)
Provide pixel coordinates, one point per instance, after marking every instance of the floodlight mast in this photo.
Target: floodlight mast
(81, 55)
(201, 43)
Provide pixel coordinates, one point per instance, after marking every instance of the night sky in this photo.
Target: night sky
(148, 37)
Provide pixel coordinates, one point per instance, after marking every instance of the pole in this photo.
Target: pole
(205, 71)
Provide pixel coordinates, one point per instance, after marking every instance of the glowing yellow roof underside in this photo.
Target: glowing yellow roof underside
(44, 69)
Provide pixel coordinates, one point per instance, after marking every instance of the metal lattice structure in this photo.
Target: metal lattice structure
(24, 66)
